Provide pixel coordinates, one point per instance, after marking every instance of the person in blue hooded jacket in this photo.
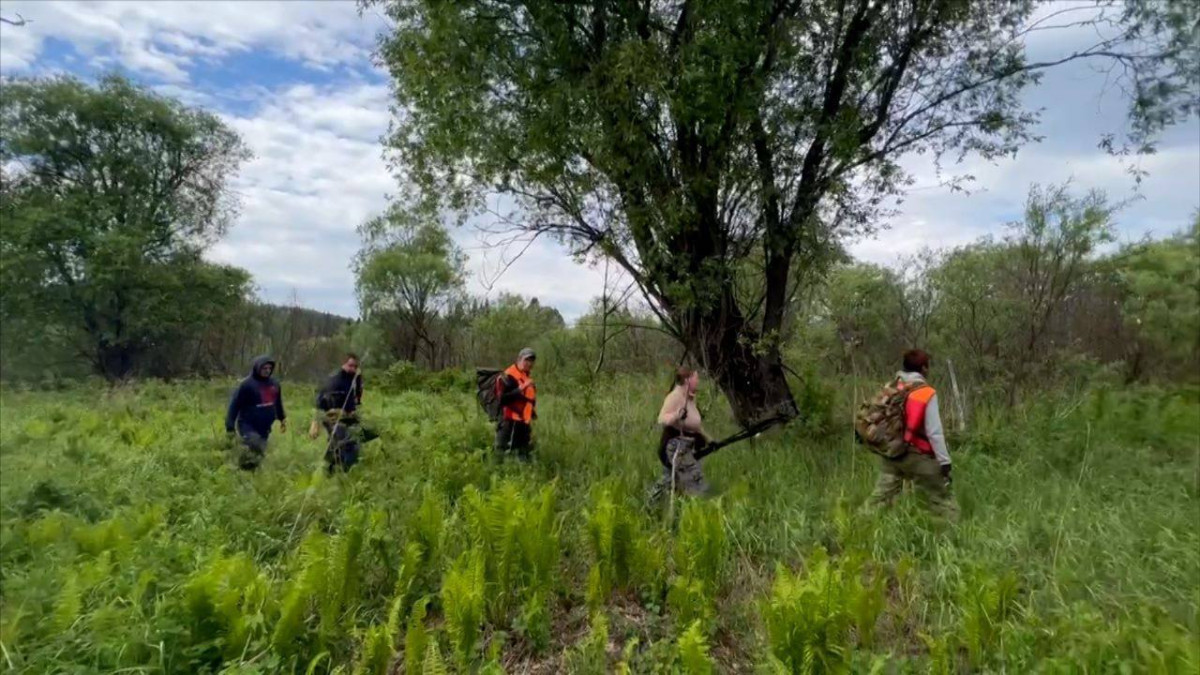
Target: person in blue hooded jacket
(255, 405)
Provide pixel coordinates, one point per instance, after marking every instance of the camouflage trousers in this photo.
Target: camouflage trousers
(924, 472)
(682, 474)
(251, 451)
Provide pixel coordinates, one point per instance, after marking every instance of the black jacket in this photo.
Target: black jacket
(256, 403)
(337, 390)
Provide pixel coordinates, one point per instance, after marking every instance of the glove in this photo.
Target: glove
(946, 473)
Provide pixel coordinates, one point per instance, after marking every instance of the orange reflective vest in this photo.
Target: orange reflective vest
(914, 419)
(520, 411)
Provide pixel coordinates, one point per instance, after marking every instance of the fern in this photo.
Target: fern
(809, 618)
(433, 665)
(463, 599)
(627, 652)
(690, 603)
(225, 602)
(298, 598)
(406, 585)
(987, 602)
(68, 604)
(590, 656)
(376, 652)
(519, 543)
(701, 547)
(416, 638)
(693, 651)
(534, 623)
(427, 525)
(623, 557)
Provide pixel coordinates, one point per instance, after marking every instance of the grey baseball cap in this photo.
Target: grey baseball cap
(527, 353)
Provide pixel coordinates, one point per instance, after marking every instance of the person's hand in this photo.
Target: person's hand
(283, 426)
(525, 385)
(314, 430)
(946, 473)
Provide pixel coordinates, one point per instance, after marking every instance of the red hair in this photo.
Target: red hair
(915, 360)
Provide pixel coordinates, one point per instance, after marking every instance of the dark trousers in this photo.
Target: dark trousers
(344, 442)
(514, 437)
(253, 450)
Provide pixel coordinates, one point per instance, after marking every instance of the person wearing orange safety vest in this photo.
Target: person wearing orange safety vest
(927, 463)
(518, 407)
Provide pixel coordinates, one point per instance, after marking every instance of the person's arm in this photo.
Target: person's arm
(231, 414)
(509, 392)
(359, 391)
(933, 431)
(279, 413)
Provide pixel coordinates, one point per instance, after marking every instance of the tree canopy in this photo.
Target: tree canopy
(111, 193)
(682, 139)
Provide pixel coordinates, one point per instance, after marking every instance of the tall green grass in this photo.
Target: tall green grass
(128, 542)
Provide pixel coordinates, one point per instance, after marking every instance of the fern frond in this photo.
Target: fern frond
(693, 651)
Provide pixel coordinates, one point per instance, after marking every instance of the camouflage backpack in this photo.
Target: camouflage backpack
(487, 382)
(879, 423)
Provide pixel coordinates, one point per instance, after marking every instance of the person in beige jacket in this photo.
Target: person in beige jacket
(682, 435)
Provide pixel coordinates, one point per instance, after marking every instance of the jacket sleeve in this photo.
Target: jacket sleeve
(235, 404)
(279, 413)
(322, 399)
(509, 393)
(359, 391)
(934, 432)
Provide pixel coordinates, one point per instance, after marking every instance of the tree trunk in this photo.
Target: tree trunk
(114, 363)
(751, 375)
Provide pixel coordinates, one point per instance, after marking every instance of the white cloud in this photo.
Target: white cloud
(163, 38)
(313, 180)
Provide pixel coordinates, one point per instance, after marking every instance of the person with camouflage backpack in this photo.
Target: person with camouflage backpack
(903, 426)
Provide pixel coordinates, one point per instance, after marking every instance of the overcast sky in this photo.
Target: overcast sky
(296, 80)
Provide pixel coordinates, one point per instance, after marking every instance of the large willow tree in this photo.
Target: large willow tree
(690, 140)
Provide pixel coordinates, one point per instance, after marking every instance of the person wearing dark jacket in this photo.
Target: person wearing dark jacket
(518, 407)
(337, 405)
(255, 405)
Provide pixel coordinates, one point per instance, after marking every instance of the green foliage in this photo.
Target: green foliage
(693, 651)
(622, 555)
(590, 656)
(700, 562)
(1160, 284)
(119, 557)
(508, 324)
(809, 617)
(408, 273)
(518, 541)
(701, 546)
(987, 601)
(227, 604)
(416, 639)
(118, 192)
(375, 653)
(433, 663)
(464, 599)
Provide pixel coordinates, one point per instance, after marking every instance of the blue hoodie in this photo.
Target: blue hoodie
(256, 403)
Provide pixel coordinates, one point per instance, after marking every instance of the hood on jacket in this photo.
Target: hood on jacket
(908, 377)
(259, 363)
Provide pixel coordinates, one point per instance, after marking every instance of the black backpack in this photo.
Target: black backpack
(488, 392)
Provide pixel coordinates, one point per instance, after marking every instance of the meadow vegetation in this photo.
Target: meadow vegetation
(131, 544)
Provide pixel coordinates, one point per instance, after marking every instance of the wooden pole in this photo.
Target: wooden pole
(958, 400)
